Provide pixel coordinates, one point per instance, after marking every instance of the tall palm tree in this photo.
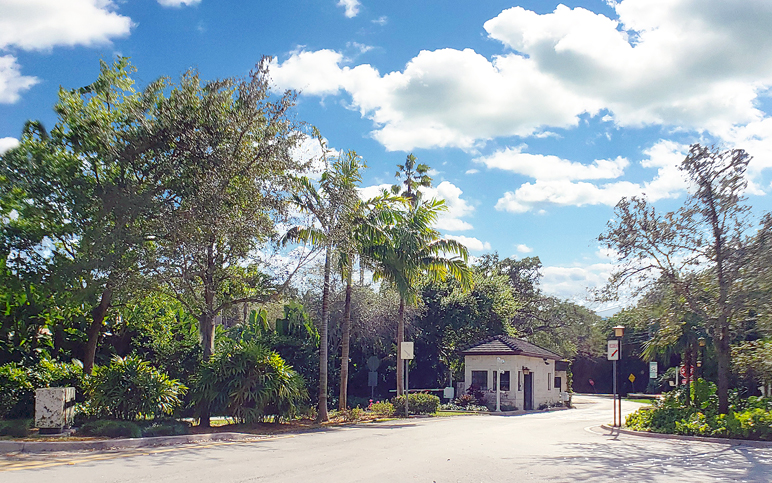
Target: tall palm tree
(412, 175)
(330, 206)
(369, 218)
(411, 249)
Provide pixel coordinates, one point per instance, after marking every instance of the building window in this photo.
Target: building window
(549, 381)
(519, 381)
(480, 380)
(505, 380)
(558, 384)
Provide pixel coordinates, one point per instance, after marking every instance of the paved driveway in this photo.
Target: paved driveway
(556, 446)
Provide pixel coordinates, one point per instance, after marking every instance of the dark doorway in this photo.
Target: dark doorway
(528, 391)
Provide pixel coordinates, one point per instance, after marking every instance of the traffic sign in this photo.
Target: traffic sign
(631, 378)
(372, 378)
(653, 370)
(613, 350)
(406, 351)
(373, 363)
(687, 371)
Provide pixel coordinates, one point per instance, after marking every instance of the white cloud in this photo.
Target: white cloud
(457, 207)
(12, 83)
(178, 3)
(543, 167)
(471, 243)
(351, 6)
(567, 282)
(696, 64)
(472, 171)
(669, 182)
(382, 20)
(311, 150)
(524, 248)
(43, 24)
(7, 143)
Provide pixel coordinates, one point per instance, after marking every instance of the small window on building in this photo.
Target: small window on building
(505, 380)
(480, 380)
(549, 381)
(519, 381)
(558, 383)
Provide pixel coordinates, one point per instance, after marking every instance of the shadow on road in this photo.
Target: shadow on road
(614, 459)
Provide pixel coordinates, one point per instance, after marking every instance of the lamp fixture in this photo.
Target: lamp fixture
(619, 331)
(702, 341)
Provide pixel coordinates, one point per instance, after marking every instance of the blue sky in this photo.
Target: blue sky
(535, 116)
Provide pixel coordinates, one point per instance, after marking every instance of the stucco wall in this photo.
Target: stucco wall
(543, 393)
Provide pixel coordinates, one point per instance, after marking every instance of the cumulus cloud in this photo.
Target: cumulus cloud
(552, 167)
(648, 66)
(524, 249)
(669, 182)
(43, 24)
(567, 282)
(471, 243)
(12, 82)
(178, 3)
(351, 6)
(450, 220)
(7, 143)
(382, 20)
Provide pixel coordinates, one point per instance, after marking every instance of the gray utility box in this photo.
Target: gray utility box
(54, 408)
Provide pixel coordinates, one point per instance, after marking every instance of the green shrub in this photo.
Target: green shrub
(130, 388)
(381, 408)
(17, 428)
(59, 374)
(170, 427)
(417, 404)
(111, 429)
(249, 383)
(353, 414)
(17, 392)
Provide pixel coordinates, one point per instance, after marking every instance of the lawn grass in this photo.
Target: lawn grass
(642, 401)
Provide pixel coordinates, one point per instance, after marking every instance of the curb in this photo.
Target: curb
(705, 439)
(109, 444)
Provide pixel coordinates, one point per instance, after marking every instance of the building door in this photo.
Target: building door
(528, 391)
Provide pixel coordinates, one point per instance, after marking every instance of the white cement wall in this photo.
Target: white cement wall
(544, 391)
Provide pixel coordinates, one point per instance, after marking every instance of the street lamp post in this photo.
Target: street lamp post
(701, 363)
(619, 331)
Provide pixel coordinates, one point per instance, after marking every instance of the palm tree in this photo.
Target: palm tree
(369, 218)
(413, 248)
(330, 206)
(412, 175)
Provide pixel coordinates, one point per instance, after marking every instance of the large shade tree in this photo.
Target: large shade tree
(699, 249)
(84, 194)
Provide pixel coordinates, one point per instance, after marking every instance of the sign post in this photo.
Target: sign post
(372, 377)
(613, 355)
(653, 370)
(406, 353)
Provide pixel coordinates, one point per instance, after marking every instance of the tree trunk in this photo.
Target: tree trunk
(400, 339)
(322, 411)
(206, 328)
(723, 354)
(95, 329)
(344, 346)
(687, 371)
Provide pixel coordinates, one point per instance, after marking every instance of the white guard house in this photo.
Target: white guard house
(530, 375)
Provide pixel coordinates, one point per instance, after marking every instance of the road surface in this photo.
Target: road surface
(560, 446)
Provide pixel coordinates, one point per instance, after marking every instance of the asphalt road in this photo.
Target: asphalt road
(561, 446)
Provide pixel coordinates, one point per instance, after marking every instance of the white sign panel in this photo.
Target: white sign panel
(406, 351)
(653, 370)
(613, 350)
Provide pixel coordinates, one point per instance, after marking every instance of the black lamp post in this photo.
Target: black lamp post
(619, 332)
(701, 362)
